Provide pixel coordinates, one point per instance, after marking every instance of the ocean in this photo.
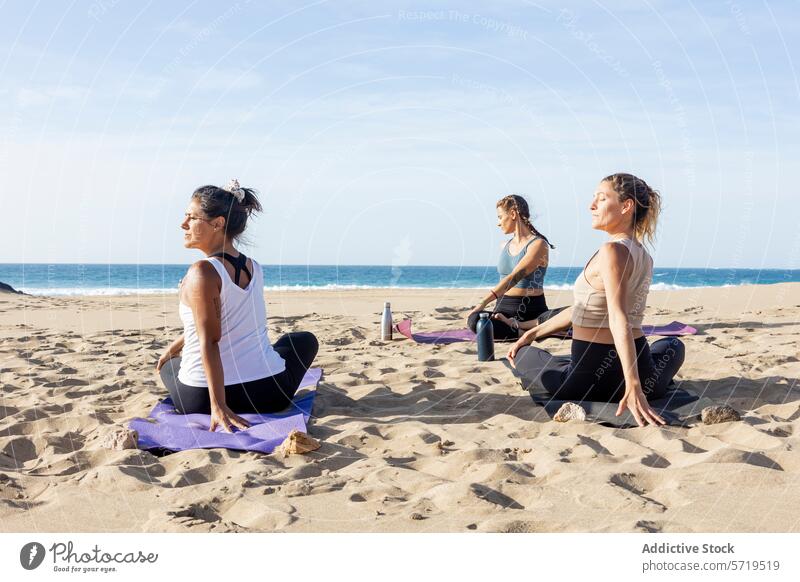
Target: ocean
(119, 279)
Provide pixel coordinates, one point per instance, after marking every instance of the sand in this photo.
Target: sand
(414, 438)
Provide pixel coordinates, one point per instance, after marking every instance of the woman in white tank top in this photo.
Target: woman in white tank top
(227, 362)
(611, 359)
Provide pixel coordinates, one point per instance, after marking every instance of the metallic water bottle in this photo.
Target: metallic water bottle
(485, 338)
(386, 322)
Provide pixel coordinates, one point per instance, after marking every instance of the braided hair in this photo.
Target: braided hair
(520, 205)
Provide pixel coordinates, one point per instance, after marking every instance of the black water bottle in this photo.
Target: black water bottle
(485, 333)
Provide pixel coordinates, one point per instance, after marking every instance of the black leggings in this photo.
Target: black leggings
(270, 394)
(593, 372)
(519, 308)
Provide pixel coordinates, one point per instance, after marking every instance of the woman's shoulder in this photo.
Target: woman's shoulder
(536, 249)
(256, 268)
(612, 252)
(200, 273)
(537, 243)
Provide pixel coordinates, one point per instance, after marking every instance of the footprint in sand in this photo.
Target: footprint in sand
(637, 486)
(649, 526)
(434, 363)
(630, 482)
(17, 452)
(193, 477)
(518, 526)
(782, 431)
(199, 514)
(433, 373)
(492, 496)
(747, 457)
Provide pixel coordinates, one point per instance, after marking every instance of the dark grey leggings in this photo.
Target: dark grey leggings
(523, 308)
(593, 372)
(270, 394)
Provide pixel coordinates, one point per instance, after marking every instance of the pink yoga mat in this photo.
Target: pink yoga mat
(676, 328)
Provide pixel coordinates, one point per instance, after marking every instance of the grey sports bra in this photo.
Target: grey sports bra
(507, 264)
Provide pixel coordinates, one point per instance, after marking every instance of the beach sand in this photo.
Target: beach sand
(414, 438)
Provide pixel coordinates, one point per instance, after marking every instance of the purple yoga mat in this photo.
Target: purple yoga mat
(435, 337)
(165, 428)
(676, 328)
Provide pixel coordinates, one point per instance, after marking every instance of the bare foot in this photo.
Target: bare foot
(510, 322)
(503, 318)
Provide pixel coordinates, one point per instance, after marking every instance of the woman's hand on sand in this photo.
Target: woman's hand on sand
(224, 417)
(636, 402)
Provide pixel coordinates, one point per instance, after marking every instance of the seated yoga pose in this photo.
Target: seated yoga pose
(522, 266)
(227, 364)
(611, 360)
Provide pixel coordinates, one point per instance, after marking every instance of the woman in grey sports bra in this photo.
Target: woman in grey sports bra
(611, 360)
(522, 266)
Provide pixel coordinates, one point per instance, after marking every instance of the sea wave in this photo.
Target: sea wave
(669, 287)
(93, 291)
(114, 291)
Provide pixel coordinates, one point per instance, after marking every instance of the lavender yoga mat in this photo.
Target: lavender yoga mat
(166, 429)
(676, 328)
(435, 337)
(671, 329)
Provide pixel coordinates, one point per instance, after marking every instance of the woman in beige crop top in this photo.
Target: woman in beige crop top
(610, 359)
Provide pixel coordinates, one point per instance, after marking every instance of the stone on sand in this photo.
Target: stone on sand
(718, 414)
(298, 443)
(119, 439)
(570, 411)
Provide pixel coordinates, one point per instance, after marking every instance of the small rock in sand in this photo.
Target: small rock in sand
(570, 411)
(298, 443)
(718, 414)
(119, 439)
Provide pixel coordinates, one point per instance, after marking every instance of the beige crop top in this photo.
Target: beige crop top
(590, 308)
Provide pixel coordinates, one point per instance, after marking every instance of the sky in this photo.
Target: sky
(385, 132)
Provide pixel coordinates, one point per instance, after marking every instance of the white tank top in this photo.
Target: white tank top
(244, 345)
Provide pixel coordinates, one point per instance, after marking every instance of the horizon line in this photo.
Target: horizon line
(389, 266)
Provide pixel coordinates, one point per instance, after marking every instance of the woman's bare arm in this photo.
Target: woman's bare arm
(202, 291)
(535, 256)
(559, 322)
(615, 265)
(173, 350)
